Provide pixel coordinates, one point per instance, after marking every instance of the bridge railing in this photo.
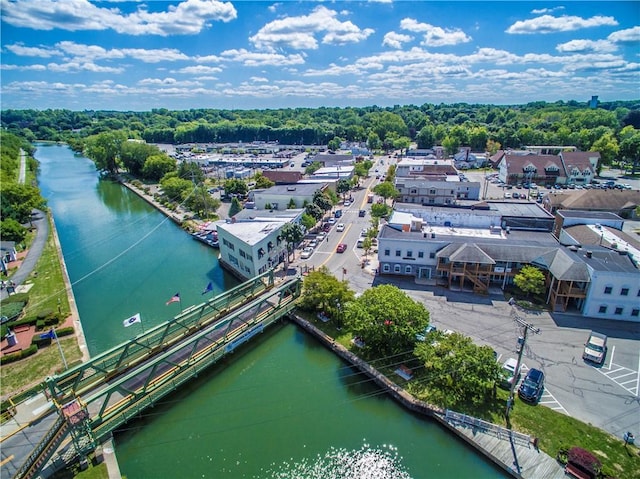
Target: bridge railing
(123, 356)
(204, 350)
(488, 428)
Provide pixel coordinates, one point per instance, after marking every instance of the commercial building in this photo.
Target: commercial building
(252, 243)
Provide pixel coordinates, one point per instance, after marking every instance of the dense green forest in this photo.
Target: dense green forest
(17, 199)
(612, 128)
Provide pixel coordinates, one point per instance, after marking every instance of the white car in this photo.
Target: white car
(306, 253)
(331, 221)
(340, 227)
(509, 374)
(347, 203)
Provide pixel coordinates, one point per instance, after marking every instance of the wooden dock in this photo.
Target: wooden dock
(510, 451)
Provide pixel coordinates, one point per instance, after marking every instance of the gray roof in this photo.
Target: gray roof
(469, 253)
(299, 189)
(596, 215)
(524, 209)
(563, 266)
(605, 260)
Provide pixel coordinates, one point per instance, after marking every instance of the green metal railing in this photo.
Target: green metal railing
(122, 357)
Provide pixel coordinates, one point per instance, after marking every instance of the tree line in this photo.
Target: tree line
(611, 129)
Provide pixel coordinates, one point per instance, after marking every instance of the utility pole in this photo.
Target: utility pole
(527, 327)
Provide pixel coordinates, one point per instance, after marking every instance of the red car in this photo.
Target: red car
(341, 248)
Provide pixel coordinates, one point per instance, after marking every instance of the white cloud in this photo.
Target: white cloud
(565, 23)
(254, 59)
(274, 7)
(169, 82)
(540, 11)
(187, 18)
(630, 35)
(198, 70)
(82, 66)
(25, 68)
(395, 40)
(435, 36)
(300, 32)
(22, 51)
(587, 46)
(259, 79)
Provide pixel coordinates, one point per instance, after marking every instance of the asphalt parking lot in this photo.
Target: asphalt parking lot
(605, 396)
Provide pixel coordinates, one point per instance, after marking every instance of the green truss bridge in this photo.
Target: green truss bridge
(89, 401)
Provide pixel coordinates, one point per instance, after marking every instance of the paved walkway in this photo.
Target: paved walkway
(28, 264)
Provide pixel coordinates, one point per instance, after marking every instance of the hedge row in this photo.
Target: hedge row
(36, 342)
(11, 358)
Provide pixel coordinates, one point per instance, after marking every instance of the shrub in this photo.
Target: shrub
(68, 331)
(44, 314)
(40, 324)
(11, 358)
(40, 342)
(584, 459)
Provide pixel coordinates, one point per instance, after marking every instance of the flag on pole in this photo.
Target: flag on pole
(209, 288)
(174, 299)
(133, 319)
(51, 334)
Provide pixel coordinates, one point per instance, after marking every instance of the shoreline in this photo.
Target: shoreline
(473, 437)
(74, 314)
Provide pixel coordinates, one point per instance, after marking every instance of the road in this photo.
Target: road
(607, 397)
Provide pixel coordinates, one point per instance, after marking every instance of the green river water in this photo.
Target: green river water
(280, 407)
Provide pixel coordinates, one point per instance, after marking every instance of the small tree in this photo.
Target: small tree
(530, 280)
(235, 207)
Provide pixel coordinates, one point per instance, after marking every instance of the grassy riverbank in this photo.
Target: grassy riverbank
(47, 292)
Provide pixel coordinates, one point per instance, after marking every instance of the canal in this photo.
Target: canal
(281, 407)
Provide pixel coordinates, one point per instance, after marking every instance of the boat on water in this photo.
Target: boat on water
(207, 235)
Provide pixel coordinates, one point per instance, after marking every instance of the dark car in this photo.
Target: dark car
(362, 213)
(531, 388)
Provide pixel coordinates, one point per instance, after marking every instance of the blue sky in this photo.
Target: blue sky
(124, 55)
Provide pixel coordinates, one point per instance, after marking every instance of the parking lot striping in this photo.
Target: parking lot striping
(556, 404)
(613, 352)
(618, 374)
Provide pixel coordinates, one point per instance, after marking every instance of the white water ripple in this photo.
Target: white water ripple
(338, 463)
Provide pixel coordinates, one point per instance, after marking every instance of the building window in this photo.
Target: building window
(618, 310)
(608, 289)
(409, 254)
(242, 253)
(398, 252)
(396, 268)
(624, 292)
(603, 309)
(387, 252)
(407, 270)
(432, 255)
(420, 254)
(385, 268)
(635, 312)
(432, 192)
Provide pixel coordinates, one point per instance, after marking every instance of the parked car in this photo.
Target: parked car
(507, 196)
(306, 253)
(321, 236)
(313, 244)
(347, 203)
(595, 349)
(332, 221)
(342, 247)
(508, 374)
(340, 227)
(423, 335)
(531, 388)
(326, 227)
(338, 213)
(516, 195)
